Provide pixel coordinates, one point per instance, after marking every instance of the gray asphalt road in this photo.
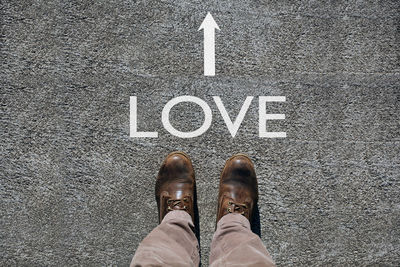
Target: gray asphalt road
(77, 190)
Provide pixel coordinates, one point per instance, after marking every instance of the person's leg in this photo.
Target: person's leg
(234, 244)
(173, 242)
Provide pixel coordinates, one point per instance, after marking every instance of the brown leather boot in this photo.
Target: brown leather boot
(238, 189)
(175, 185)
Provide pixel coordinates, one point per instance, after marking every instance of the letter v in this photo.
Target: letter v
(233, 127)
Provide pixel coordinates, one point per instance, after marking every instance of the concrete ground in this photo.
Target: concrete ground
(76, 190)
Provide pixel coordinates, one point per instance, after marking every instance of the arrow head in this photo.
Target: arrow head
(209, 22)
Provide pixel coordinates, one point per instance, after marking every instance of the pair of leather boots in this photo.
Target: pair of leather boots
(175, 186)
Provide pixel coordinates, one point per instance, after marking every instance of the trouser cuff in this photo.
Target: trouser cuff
(234, 217)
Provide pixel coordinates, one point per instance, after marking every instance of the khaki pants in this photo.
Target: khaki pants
(173, 243)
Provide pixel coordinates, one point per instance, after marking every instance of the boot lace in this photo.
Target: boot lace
(237, 207)
(177, 204)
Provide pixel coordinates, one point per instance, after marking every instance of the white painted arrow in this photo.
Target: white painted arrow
(209, 25)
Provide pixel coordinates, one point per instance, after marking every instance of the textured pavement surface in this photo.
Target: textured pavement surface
(76, 190)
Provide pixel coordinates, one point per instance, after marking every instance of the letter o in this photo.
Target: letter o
(207, 116)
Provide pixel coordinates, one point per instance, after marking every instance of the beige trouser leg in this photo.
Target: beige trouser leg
(172, 243)
(234, 244)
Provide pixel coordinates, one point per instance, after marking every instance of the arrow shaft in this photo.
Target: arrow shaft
(209, 52)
